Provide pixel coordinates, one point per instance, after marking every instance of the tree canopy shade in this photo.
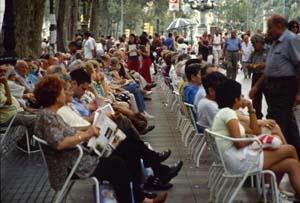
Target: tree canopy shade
(104, 18)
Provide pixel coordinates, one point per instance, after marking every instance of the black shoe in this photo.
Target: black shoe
(153, 85)
(150, 195)
(172, 173)
(148, 129)
(154, 183)
(164, 155)
(154, 73)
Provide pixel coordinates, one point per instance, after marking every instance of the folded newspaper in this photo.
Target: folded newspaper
(110, 136)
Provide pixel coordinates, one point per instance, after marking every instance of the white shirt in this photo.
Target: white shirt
(72, 117)
(206, 112)
(88, 47)
(182, 48)
(217, 40)
(220, 126)
(247, 50)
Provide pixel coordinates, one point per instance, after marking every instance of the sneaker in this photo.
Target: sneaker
(148, 93)
(148, 116)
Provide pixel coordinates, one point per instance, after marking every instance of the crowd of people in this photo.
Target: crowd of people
(62, 91)
(272, 60)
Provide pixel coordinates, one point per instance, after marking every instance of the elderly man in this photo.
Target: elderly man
(232, 47)
(280, 80)
(22, 73)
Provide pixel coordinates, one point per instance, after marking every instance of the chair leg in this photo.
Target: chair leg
(218, 180)
(229, 189)
(200, 154)
(189, 133)
(220, 190)
(198, 148)
(96, 182)
(238, 188)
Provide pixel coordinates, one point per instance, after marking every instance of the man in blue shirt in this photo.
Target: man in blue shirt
(169, 42)
(231, 50)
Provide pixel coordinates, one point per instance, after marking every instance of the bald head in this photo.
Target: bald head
(276, 26)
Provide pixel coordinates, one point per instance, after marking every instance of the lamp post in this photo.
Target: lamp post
(202, 6)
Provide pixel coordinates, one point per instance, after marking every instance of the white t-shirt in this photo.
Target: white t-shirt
(217, 40)
(71, 117)
(88, 47)
(99, 49)
(182, 48)
(220, 126)
(247, 50)
(206, 112)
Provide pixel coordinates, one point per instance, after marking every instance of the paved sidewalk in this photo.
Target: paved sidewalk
(24, 177)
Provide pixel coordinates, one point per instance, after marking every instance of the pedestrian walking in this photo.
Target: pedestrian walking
(232, 47)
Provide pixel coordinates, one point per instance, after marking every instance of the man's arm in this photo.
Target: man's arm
(257, 86)
(6, 95)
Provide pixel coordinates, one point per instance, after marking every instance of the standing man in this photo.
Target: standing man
(169, 42)
(216, 45)
(280, 80)
(89, 46)
(231, 51)
(247, 49)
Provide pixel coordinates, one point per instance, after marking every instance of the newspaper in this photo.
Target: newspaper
(131, 48)
(110, 136)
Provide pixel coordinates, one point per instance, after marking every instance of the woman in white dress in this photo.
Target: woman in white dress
(239, 156)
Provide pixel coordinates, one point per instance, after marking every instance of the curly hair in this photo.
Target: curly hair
(48, 89)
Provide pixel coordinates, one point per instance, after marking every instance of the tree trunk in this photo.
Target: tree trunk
(74, 14)
(95, 18)
(61, 27)
(29, 21)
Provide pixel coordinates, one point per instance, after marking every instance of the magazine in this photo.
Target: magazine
(110, 136)
(132, 47)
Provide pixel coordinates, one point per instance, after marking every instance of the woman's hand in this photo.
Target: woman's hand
(93, 131)
(247, 103)
(269, 123)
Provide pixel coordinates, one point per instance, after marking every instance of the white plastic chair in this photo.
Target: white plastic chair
(198, 143)
(233, 190)
(62, 192)
(5, 135)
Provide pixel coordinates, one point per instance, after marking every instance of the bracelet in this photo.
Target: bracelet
(80, 138)
(252, 111)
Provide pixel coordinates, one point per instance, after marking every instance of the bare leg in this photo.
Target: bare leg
(292, 167)
(274, 156)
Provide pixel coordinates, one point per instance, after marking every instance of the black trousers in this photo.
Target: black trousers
(257, 100)
(114, 170)
(280, 95)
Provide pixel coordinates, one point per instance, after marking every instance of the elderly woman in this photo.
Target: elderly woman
(242, 156)
(62, 139)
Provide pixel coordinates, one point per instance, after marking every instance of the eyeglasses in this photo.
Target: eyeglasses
(295, 26)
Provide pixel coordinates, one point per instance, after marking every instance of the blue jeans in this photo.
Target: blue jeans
(135, 90)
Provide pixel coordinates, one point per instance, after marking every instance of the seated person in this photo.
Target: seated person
(239, 156)
(22, 75)
(193, 74)
(9, 107)
(208, 107)
(205, 69)
(62, 138)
